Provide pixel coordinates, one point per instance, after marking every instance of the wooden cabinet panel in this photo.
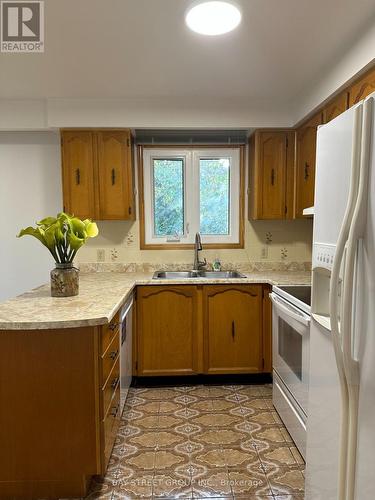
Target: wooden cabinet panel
(305, 164)
(167, 330)
(335, 107)
(115, 175)
(111, 386)
(50, 421)
(270, 175)
(110, 426)
(109, 357)
(233, 328)
(362, 88)
(98, 174)
(272, 157)
(78, 173)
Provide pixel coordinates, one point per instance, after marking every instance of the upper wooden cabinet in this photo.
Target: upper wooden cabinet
(305, 164)
(98, 174)
(232, 319)
(270, 161)
(337, 106)
(167, 325)
(362, 88)
(78, 173)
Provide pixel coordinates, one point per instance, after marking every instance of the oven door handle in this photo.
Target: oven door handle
(290, 311)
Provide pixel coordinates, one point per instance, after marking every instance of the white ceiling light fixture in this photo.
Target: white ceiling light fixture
(213, 17)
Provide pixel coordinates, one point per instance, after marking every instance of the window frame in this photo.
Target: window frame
(191, 155)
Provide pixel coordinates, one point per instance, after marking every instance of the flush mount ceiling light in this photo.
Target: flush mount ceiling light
(213, 17)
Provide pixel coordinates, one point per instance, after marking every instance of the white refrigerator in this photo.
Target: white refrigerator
(340, 458)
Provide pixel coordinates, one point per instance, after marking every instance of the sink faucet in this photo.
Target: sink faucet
(197, 248)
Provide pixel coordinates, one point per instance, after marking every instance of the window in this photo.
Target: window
(191, 190)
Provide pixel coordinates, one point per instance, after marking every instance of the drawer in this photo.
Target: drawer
(111, 386)
(290, 413)
(109, 331)
(111, 424)
(109, 358)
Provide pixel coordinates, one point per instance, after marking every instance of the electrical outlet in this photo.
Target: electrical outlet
(100, 255)
(264, 252)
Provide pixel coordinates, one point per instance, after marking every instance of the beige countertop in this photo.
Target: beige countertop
(102, 294)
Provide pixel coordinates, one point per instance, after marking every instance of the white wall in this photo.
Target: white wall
(30, 189)
(358, 57)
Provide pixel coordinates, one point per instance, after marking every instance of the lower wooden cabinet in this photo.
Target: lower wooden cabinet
(62, 410)
(208, 329)
(167, 330)
(232, 319)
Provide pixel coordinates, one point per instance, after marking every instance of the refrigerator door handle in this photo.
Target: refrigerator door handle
(334, 297)
(356, 232)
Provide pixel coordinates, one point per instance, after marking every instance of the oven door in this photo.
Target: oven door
(290, 342)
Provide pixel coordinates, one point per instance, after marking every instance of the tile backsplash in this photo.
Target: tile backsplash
(267, 244)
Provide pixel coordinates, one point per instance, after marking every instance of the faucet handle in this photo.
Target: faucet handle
(202, 263)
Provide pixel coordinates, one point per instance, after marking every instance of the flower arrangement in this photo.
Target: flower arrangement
(63, 235)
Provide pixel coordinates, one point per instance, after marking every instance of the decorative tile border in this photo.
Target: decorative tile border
(151, 267)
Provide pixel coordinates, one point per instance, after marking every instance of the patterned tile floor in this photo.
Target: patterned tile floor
(202, 442)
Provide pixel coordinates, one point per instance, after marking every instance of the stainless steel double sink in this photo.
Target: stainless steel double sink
(170, 275)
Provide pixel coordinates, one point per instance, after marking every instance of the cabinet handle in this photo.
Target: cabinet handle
(273, 177)
(114, 383)
(307, 166)
(130, 210)
(113, 176)
(233, 330)
(113, 326)
(113, 354)
(114, 410)
(78, 177)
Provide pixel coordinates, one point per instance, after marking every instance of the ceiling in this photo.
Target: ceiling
(142, 49)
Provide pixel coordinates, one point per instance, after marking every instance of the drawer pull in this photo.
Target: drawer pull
(114, 383)
(113, 326)
(113, 354)
(114, 410)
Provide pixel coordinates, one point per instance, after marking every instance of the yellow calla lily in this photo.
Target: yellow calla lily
(63, 235)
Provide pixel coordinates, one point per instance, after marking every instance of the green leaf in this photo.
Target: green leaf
(48, 221)
(38, 233)
(75, 242)
(50, 237)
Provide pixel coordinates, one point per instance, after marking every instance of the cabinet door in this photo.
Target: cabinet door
(335, 107)
(167, 330)
(305, 168)
(233, 328)
(272, 164)
(78, 173)
(361, 89)
(115, 175)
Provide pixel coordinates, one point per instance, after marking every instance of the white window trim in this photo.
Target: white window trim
(191, 195)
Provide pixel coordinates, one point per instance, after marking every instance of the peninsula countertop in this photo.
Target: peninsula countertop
(101, 294)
